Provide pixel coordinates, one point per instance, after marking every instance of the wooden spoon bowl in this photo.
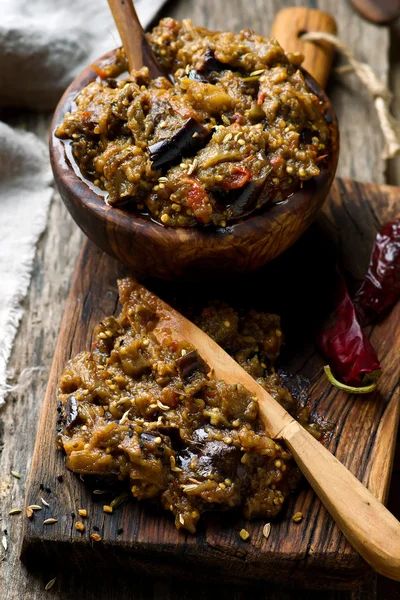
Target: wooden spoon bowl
(168, 253)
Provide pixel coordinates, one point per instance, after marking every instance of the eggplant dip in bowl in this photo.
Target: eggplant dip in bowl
(235, 142)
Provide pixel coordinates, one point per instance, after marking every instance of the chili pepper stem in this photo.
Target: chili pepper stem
(348, 388)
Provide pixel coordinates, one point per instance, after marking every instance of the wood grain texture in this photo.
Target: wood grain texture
(197, 252)
(291, 23)
(44, 305)
(313, 554)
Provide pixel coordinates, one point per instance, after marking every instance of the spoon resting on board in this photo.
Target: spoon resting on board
(134, 41)
(367, 524)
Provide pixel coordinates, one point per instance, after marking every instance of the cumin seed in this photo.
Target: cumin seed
(50, 584)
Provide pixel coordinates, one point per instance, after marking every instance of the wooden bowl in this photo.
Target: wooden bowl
(168, 253)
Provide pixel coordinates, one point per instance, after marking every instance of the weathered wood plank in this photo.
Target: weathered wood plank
(54, 264)
(314, 554)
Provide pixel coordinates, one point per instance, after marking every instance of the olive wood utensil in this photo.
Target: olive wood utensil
(367, 524)
(136, 46)
(198, 252)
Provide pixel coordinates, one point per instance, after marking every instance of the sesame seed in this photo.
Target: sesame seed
(241, 142)
(266, 530)
(43, 501)
(124, 417)
(15, 474)
(225, 120)
(50, 521)
(15, 511)
(162, 406)
(193, 166)
(189, 488)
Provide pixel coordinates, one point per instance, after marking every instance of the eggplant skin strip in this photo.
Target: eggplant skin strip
(182, 143)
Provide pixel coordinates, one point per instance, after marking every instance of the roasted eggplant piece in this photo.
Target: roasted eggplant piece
(180, 144)
(240, 202)
(306, 136)
(190, 363)
(211, 63)
(71, 412)
(197, 76)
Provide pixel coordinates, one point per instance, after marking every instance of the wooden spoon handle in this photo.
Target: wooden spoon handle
(136, 46)
(367, 524)
(287, 28)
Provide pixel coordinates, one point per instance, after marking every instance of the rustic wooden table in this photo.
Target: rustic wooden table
(56, 256)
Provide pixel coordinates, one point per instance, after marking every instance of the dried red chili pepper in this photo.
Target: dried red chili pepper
(380, 289)
(353, 360)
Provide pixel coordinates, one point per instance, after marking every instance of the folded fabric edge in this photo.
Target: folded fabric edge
(15, 310)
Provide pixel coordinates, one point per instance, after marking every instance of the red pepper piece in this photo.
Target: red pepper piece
(102, 74)
(277, 160)
(238, 118)
(380, 289)
(237, 179)
(344, 344)
(260, 98)
(198, 200)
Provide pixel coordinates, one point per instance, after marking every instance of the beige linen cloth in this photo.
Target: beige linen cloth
(43, 45)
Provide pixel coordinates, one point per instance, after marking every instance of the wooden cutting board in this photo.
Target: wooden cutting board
(362, 429)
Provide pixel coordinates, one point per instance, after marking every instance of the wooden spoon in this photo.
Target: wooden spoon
(367, 524)
(136, 46)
